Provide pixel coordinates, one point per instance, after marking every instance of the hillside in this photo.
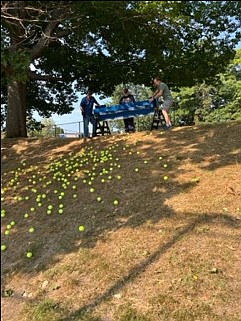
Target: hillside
(132, 227)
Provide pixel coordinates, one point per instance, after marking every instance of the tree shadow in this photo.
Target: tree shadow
(53, 239)
(141, 267)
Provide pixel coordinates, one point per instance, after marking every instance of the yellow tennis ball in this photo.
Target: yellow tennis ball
(29, 254)
(81, 228)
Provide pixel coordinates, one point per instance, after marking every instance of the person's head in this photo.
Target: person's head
(89, 93)
(126, 91)
(156, 80)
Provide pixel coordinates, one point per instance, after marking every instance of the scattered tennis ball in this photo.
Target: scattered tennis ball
(116, 202)
(32, 209)
(99, 199)
(74, 195)
(160, 157)
(136, 169)
(165, 178)
(26, 215)
(31, 230)
(12, 223)
(92, 190)
(165, 165)
(7, 232)
(61, 211)
(61, 205)
(3, 247)
(9, 226)
(145, 161)
(81, 228)
(29, 255)
(49, 211)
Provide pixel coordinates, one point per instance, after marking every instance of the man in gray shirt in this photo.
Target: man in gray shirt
(163, 91)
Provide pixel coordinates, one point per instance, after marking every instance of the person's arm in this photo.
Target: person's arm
(96, 102)
(158, 93)
(82, 106)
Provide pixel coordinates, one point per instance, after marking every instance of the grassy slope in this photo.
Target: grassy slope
(170, 250)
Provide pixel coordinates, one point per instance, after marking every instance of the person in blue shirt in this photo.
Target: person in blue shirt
(86, 106)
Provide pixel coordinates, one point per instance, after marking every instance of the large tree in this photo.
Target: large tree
(51, 50)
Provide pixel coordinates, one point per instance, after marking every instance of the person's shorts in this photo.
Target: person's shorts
(167, 104)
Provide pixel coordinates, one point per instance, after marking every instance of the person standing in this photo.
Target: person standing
(125, 99)
(163, 91)
(86, 106)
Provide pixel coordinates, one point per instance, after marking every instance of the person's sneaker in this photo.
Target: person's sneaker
(168, 127)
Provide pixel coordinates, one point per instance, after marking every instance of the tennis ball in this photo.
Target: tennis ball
(26, 215)
(136, 170)
(7, 232)
(165, 178)
(81, 228)
(29, 254)
(98, 199)
(165, 165)
(12, 223)
(31, 230)
(61, 211)
(3, 247)
(74, 195)
(116, 202)
(92, 190)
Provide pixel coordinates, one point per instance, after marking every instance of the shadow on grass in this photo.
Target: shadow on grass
(57, 235)
(140, 268)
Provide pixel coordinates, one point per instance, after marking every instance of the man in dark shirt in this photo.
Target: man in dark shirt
(128, 122)
(86, 107)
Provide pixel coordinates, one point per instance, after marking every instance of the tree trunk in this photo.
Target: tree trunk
(16, 110)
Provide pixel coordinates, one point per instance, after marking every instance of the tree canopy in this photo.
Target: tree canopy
(50, 53)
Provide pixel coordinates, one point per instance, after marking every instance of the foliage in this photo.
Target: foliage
(45, 128)
(219, 102)
(60, 51)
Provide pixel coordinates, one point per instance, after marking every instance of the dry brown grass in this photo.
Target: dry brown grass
(170, 250)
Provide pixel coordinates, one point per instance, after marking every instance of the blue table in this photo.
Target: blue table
(132, 109)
